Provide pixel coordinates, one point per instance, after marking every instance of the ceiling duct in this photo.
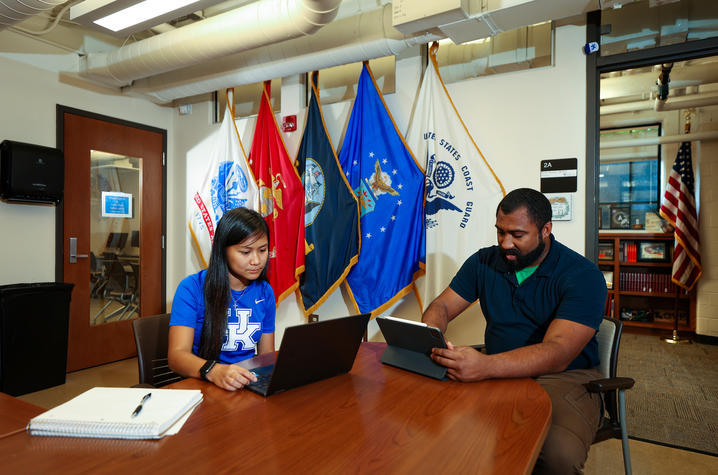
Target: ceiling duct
(365, 36)
(257, 24)
(674, 103)
(480, 19)
(15, 11)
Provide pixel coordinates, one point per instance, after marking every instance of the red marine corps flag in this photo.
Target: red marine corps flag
(281, 201)
(679, 208)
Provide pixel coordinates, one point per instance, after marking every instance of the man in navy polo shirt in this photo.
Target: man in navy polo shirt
(543, 304)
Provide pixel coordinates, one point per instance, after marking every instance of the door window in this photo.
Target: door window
(115, 218)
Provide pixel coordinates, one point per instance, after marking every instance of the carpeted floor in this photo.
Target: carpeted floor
(675, 398)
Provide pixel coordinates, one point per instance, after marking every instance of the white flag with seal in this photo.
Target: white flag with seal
(228, 184)
(462, 191)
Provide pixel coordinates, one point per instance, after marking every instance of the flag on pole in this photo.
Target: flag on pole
(228, 184)
(679, 209)
(331, 211)
(462, 191)
(389, 182)
(281, 201)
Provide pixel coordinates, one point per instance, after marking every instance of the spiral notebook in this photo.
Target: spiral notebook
(108, 413)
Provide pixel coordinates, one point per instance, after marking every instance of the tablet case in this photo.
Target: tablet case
(409, 346)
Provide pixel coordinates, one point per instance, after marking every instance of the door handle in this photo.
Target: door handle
(73, 251)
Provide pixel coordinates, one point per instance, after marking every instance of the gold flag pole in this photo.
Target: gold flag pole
(675, 338)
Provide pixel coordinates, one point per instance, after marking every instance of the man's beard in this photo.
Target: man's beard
(523, 260)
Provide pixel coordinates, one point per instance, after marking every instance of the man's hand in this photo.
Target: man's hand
(464, 363)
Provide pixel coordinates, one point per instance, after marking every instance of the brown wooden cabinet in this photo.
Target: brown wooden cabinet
(637, 267)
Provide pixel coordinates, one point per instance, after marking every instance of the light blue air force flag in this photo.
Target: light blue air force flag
(390, 185)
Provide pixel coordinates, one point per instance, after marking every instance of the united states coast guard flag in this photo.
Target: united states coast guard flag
(331, 212)
(281, 201)
(228, 184)
(390, 185)
(462, 191)
(679, 209)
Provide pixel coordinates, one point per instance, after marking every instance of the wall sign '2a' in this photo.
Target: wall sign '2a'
(559, 175)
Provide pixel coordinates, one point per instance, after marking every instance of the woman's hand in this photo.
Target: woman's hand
(230, 377)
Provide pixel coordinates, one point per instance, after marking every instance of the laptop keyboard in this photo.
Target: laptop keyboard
(264, 376)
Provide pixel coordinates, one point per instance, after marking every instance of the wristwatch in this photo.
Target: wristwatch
(206, 368)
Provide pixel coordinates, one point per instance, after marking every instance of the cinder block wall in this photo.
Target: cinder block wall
(707, 307)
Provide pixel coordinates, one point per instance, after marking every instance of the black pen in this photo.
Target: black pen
(138, 409)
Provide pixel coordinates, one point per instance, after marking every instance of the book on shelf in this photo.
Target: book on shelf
(648, 282)
(630, 252)
(118, 413)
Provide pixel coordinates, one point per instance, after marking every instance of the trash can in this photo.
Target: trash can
(34, 320)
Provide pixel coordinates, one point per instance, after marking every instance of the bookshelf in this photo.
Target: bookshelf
(637, 268)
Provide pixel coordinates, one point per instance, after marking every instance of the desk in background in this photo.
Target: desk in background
(374, 419)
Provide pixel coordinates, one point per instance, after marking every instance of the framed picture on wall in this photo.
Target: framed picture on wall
(653, 251)
(561, 206)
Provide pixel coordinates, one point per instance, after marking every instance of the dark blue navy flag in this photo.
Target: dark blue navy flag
(331, 212)
(390, 185)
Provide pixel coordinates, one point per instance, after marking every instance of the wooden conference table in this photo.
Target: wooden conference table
(374, 419)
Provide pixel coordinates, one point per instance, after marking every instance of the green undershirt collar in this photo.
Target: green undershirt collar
(525, 273)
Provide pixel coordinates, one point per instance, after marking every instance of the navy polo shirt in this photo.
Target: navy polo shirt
(566, 285)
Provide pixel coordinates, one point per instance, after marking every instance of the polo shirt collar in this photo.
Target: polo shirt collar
(549, 263)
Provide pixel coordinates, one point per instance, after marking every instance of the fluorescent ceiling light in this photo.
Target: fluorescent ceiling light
(140, 13)
(123, 17)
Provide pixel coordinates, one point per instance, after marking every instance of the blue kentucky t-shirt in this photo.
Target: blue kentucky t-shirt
(250, 313)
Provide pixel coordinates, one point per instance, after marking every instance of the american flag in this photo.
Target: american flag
(679, 208)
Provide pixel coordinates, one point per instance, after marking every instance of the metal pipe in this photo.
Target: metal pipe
(692, 137)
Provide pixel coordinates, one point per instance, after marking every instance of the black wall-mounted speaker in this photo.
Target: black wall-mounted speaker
(31, 173)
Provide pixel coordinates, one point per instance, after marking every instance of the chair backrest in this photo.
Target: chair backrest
(609, 339)
(151, 338)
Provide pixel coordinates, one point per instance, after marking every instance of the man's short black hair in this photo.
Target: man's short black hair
(537, 205)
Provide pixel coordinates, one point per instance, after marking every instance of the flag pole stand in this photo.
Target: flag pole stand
(675, 338)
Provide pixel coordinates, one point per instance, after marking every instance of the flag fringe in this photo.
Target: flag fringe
(331, 289)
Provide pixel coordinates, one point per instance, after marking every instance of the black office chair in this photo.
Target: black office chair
(612, 388)
(98, 276)
(121, 287)
(151, 338)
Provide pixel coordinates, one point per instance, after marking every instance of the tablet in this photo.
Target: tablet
(409, 345)
(411, 335)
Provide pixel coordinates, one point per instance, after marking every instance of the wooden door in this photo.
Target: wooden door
(132, 287)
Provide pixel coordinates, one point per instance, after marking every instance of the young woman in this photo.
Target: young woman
(221, 314)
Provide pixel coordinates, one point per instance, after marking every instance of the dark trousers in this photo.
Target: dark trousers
(575, 417)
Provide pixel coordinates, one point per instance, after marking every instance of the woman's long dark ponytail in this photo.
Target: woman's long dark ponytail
(235, 226)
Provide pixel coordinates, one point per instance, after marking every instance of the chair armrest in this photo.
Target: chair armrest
(609, 384)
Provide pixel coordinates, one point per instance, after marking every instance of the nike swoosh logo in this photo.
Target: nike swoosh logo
(257, 301)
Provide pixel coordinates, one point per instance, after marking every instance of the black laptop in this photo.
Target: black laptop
(312, 352)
